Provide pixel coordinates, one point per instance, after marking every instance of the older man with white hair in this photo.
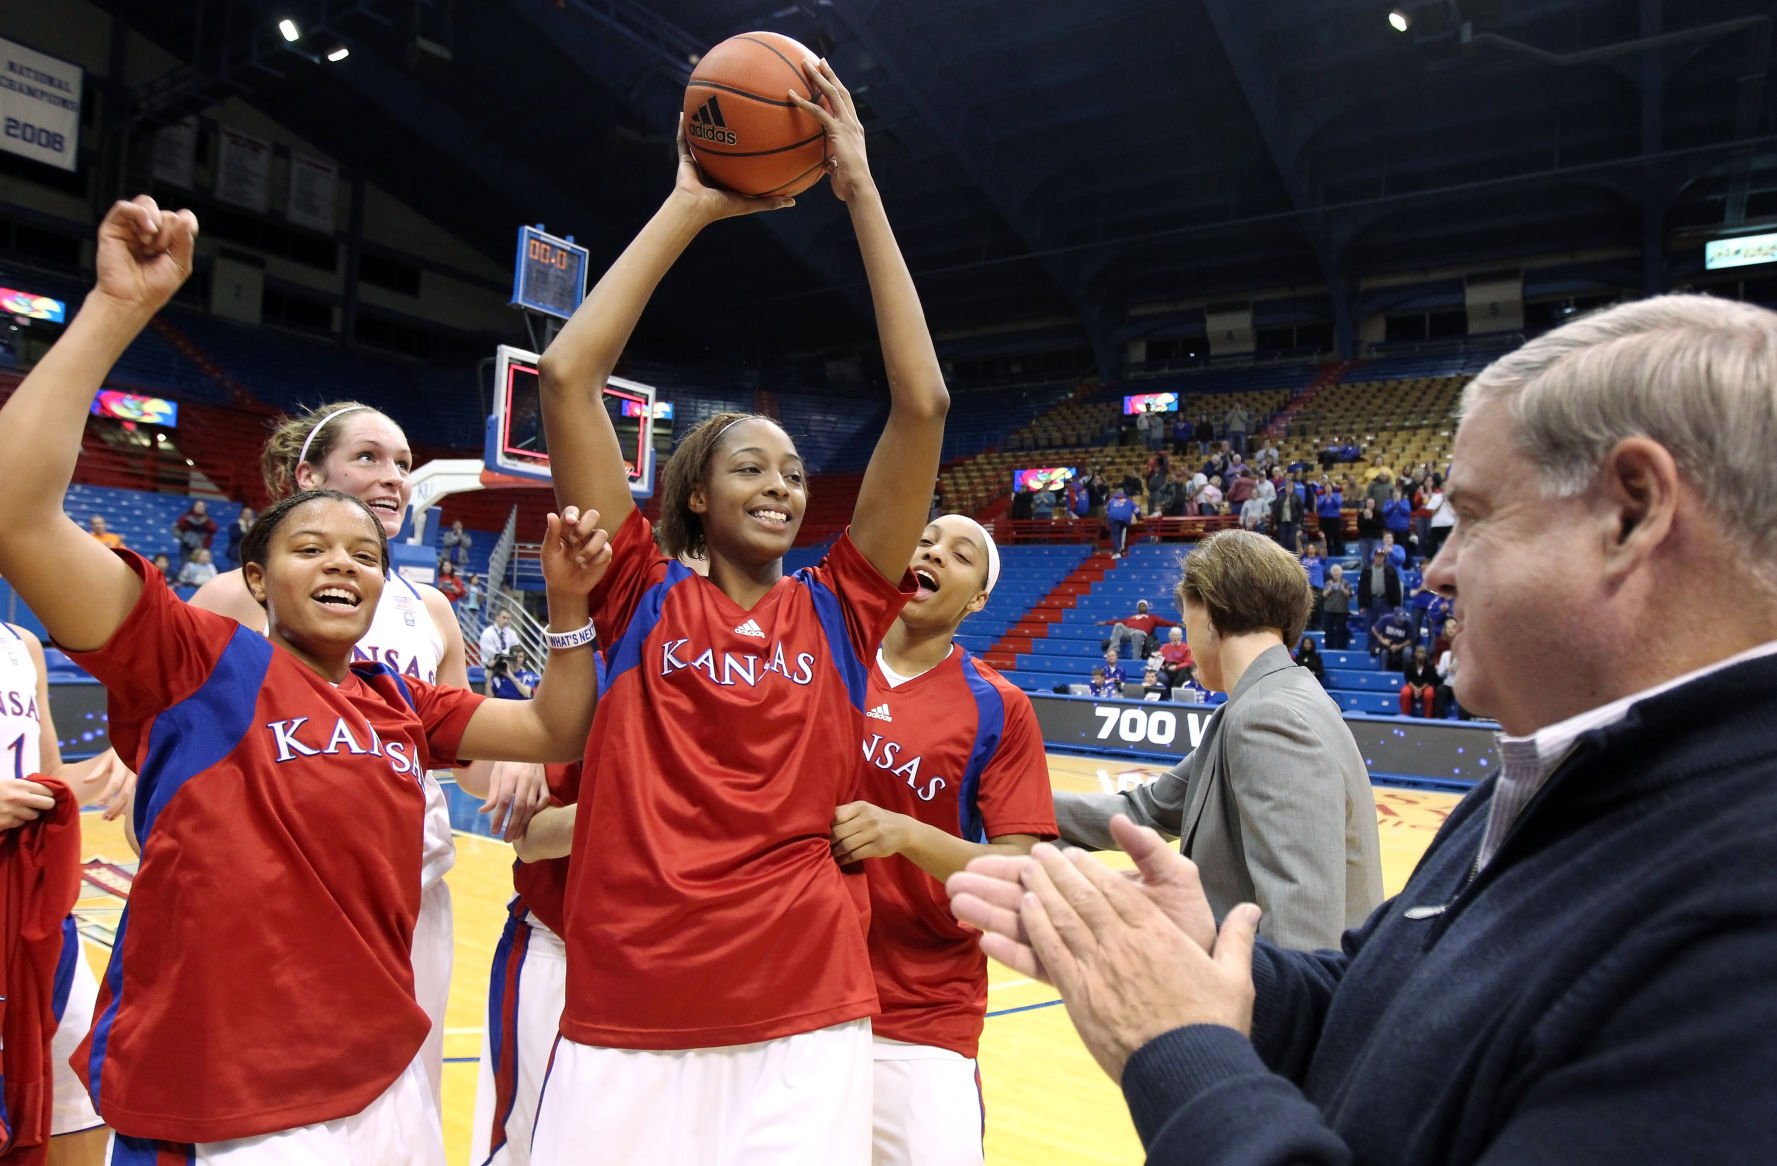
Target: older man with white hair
(1580, 968)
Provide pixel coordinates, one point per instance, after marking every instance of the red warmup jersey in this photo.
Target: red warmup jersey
(958, 748)
(260, 978)
(704, 907)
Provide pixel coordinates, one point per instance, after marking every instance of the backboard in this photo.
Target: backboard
(516, 445)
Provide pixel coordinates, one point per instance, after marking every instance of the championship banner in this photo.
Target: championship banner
(175, 153)
(39, 105)
(314, 193)
(243, 169)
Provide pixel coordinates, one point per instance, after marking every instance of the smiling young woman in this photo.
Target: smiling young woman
(280, 787)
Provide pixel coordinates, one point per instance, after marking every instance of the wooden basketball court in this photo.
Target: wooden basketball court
(1047, 1101)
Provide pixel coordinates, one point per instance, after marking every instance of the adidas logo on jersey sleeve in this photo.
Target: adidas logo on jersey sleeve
(880, 712)
(750, 628)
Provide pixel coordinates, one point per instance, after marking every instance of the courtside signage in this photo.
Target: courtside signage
(39, 105)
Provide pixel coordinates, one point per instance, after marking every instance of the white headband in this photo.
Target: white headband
(993, 551)
(310, 439)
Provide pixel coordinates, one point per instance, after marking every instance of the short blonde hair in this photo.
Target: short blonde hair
(1247, 583)
(1696, 374)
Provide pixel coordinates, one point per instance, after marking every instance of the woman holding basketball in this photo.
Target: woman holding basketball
(279, 794)
(718, 981)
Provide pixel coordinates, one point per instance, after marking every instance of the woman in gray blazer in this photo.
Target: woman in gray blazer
(1274, 805)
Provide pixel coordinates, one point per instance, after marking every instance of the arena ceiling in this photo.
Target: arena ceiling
(1082, 170)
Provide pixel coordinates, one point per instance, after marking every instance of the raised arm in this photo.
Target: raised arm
(896, 494)
(553, 726)
(80, 590)
(584, 457)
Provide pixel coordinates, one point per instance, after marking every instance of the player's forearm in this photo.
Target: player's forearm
(916, 383)
(42, 423)
(550, 835)
(568, 692)
(941, 854)
(586, 349)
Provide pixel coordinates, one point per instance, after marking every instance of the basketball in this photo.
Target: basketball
(745, 133)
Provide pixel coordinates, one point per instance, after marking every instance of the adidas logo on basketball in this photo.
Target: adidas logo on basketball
(707, 125)
(880, 712)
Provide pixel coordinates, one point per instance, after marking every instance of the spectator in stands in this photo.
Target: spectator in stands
(1315, 563)
(1120, 512)
(1151, 426)
(1397, 519)
(455, 544)
(1205, 434)
(1267, 458)
(1420, 690)
(449, 582)
(1308, 656)
(1079, 499)
(237, 530)
(1255, 514)
(1394, 552)
(1101, 685)
(1380, 487)
(1240, 487)
(1236, 421)
(1274, 803)
(165, 567)
(1327, 504)
(1112, 668)
(510, 677)
(498, 638)
(198, 569)
(195, 530)
(1441, 643)
(1445, 702)
(1175, 661)
(95, 526)
(1369, 530)
(1181, 433)
(472, 594)
(1098, 488)
(1335, 603)
(1137, 629)
(1209, 499)
(1391, 636)
(1443, 517)
(1216, 464)
(1286, 518)
(1175, 496)
(1042, 505)
(1378, 588)
(1156, 473)
(1023, 505)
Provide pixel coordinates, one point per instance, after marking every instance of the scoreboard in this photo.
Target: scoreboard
(549, 275)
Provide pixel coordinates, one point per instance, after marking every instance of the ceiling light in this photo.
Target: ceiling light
(339, 54)
(1398, 20)
(289, 29)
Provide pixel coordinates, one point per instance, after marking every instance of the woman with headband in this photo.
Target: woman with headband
(956, 768)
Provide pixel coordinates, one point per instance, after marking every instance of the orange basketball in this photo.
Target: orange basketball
(743, 130)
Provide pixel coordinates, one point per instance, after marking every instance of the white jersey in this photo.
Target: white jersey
(403, 636)
(21, 722)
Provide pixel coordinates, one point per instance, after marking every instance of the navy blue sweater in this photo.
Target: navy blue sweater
(1605, 991)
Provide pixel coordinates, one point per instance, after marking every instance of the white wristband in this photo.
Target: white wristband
(573, 639)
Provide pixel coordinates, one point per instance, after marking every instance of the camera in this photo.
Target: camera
(500, 665)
